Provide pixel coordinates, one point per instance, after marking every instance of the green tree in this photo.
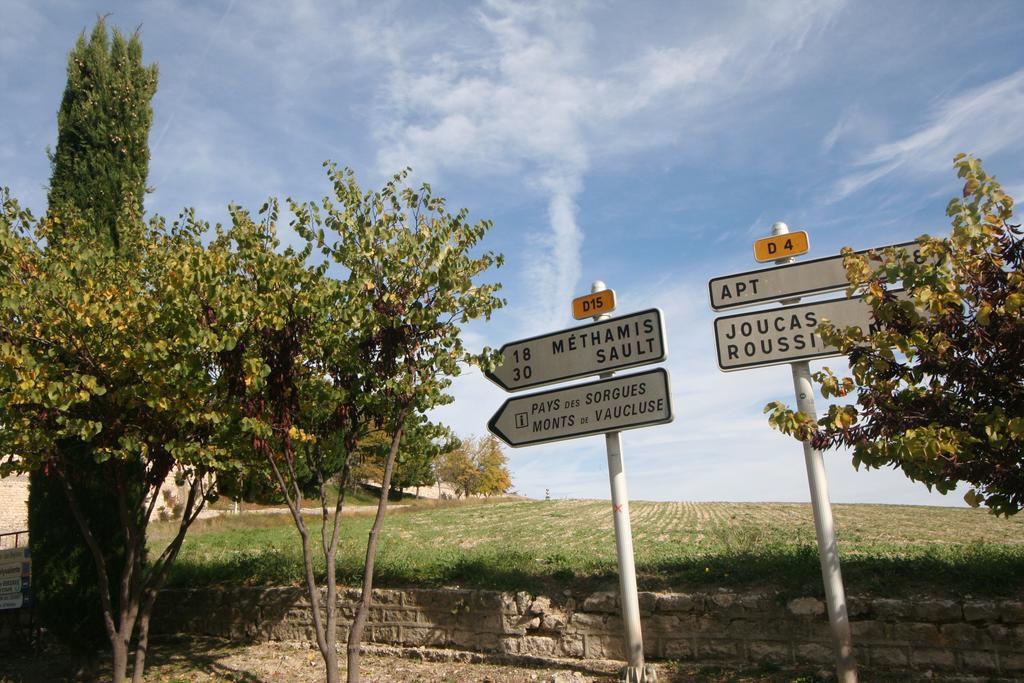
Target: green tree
(458, 468)
(410, 283)
(476, 466)
(939, 380)
(102, 156)
(116, 355)
(368, 458)
(422, 443)
(491, 462)
(65, 585)
(96, 189)
(297, 390)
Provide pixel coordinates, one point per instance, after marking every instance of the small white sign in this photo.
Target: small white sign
(10, 568)
(13, 601)
(18, 584)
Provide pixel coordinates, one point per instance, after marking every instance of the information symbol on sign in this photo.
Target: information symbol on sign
(522, 420)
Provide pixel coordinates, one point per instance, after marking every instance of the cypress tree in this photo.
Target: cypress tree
(98, 181)
(64, 578)
(102, 156)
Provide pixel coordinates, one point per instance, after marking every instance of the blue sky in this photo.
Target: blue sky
(644, 144)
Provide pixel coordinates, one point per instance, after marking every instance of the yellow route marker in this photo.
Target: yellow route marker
(781, 246)
(593, 304)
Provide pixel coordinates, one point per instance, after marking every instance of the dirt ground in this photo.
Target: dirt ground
(213, 661)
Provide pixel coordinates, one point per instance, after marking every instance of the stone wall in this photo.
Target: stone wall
(929, 637)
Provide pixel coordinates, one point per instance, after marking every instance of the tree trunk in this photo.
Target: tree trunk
(118, 642)
(146, 593)
(293, 498)
(330, 555)
(119, 649)
(142, 644)
(330, 652)
(330, 548)
(331, 660)
(355, 634)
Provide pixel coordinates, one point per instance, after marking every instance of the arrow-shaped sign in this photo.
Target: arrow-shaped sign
(787, 334)
(787, 281)
(607, 405)
(604, 346)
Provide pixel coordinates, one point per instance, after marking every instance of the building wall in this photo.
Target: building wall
(14, 503)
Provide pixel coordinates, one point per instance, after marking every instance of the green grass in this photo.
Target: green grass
(554, 545)
(355, 495)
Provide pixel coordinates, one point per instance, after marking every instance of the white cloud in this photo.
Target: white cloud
(197, 151)
(854, 125)
(516, 106)
(530, 97)
(745, 55)
(981, 121)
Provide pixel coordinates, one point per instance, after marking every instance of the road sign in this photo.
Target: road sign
(593, 304)
(15, 569)
(14, 554)
(14, 601)
(789, 335)
(16, 584)
(612, 344)
(792, 280)
(784, 335)
(781, 246)
(607, 405)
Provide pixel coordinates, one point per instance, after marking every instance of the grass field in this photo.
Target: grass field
(553, 545)
(353, 496)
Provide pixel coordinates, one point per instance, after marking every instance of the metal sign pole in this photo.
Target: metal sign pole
(634, 672)
(828, 550)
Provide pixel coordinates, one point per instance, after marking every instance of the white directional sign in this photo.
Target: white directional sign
(604, 346)
(607, 405)
(784, 335)
(787, 281)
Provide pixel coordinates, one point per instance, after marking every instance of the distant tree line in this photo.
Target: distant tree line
(476, 467)
(433, 455)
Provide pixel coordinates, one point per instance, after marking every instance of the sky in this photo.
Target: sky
(646, 145)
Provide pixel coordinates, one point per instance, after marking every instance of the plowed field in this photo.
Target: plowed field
(547, 545)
